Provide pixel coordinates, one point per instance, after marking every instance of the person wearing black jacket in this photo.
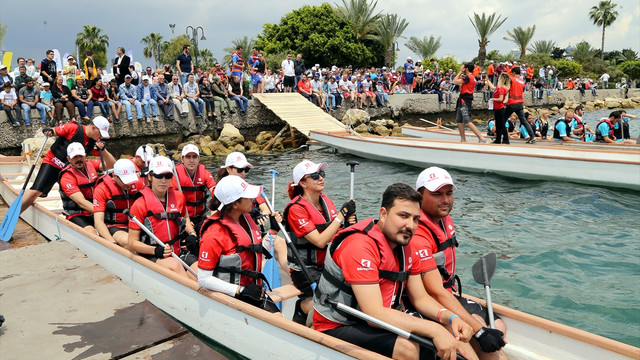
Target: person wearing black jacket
(121, 66)
(299, 68)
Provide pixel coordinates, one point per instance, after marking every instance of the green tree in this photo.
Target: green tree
(538, 60)
(557, 53)
(246, 44)
(496, 56)
(361, 17)
(521, 37)
(153, 43)
(388, 29)
(542, 47)
(172, 48)
(449, 62)
(425, 48)
(92, 38)
(631, 69)
(568, 68)
(628, 55)
(582, 52)
(206, 59)
(485, 27)
(321, 37)
(603, 15)
(3, 33)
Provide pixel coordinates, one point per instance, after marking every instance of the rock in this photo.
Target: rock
(239, 148)
(554, 110)
(205, 150)
(355, 117)
(397, 131)
(612, 104)
(230, 136)
(598, 103)
(362, 129)
(264, 137)
(251, 146)
(204, 139)
(627, 103)
(589, 103)
(219, 149)
(381, 130)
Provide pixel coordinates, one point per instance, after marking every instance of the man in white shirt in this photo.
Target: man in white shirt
(289, 74)
(605, 80)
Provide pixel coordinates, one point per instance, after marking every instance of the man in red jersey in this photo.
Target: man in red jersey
(371, 264)
(467, 83)
(435, 238)
(515, 104)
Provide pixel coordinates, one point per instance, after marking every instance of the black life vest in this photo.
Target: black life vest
(59, 147)
(556, 133)
(599, 136)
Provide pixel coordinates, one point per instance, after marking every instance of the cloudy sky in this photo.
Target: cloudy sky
(42, 25)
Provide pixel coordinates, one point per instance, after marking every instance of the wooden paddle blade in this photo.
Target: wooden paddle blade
(11, 218)
(479, 271)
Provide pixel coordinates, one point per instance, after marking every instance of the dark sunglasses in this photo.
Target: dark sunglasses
(241, 170)
(317, 175)
(167, 176)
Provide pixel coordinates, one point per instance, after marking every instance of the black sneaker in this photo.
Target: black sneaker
(15, 124)
(298, 315)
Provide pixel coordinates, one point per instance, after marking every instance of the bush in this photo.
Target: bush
(568, 68)
(447, 63)
(538, 60)
(631, 69)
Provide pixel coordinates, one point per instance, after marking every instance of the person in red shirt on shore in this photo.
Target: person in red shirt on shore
(467, 83)
(77, 181)
(515, 103)
(231, 248)
(55, 159)
(113, 194)
(491, 74)
(529, 74)
(372, 264)
(312, 220)
(435, 244)
(163, 208)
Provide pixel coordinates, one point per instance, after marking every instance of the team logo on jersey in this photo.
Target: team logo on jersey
(302, 223)
(69, 186)
(365, 265)
(450, 227)
(173, 206)
(423, 253)
(204, 255)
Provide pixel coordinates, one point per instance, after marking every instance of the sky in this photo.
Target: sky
(55, 25)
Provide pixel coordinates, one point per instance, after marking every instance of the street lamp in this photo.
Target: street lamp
(172, 27)
(394, 48)
(194, 38)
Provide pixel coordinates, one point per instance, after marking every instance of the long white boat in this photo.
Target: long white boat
(612, 167)
(258, 334)
(445, 133)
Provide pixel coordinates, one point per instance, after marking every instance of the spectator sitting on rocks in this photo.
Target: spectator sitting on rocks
(147, 95)
(99, 97)
(32, 71)
(192, 93)
(70, 72)
(236, 93)
(29, 97)
(82, 98)
(113, 97)
(128, 96)
(164, 98)
(46, 98)
(180, 102)
(21, 78)
(4, 76)
(62, 99)
(221, 95)
(9, 102)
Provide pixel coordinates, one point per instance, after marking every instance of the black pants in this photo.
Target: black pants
(519, 110)
(502, 136)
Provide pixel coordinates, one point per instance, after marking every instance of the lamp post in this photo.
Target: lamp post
(394, 48)
(194, 38)
(172, 27)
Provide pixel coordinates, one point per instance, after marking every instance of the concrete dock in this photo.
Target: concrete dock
(58, 304)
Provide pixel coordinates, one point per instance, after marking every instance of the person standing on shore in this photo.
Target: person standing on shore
(500, 96)
(515, 103)
(289, 72)
(467, 83)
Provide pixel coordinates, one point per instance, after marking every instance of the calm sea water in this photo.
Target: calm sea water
(566, 252)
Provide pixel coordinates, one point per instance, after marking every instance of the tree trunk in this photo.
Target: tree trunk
(482, 53)
(602, 47)
(387, 57)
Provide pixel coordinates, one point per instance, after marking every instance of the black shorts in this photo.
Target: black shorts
(289, 81)
(46, 178)
(115, 229)
(82, 221)
(300, 281)
(473, 307)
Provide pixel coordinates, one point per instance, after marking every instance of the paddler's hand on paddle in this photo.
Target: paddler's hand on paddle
(47, 131)
(348, 211)
(445, 343)
(461, 330)
(192, 244)
(490, 340)
(100, 145)
(251, 292)
(162, 252)
(274, 219)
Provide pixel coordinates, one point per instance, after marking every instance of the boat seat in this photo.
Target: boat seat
(284, 292)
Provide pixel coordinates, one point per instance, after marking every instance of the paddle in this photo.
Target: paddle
(155, 238)
(483, 271)
(359, 314)
(104, 165)
(175, 173)
(11, 217)
(438, 125)
(271, 270)
(274, 173)
(353, 165)
(293, 248)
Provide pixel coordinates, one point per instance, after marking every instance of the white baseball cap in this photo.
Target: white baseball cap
(103, 125)
(434, 178)
(146, 78)
(238, 160)
(74, 149)
(190, 148)
(161, 165)
(148, 150)
(408, 57)
(306, 167)
(125, 169)
(232, 187)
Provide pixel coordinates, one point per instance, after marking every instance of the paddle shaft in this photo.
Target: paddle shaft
(438, 125)
(394, 329)
(155, 238)
(104, 165)
(35, 161)
(353, 165)
(274, 173)
(293, 248)
(175, 173)
(487, 289)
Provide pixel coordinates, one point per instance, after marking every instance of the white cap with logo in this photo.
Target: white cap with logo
(238, 160)
(103, 125)
(74, 149)
(190, 148)
(125, 169)
(434, 178)
(231, 188)
(161, 165)
(306, 167)
(145, 149)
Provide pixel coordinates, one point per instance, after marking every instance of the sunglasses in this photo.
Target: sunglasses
(241, 170)
(317, 175)
(167, 176)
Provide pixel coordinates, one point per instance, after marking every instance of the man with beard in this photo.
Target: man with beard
(370, 264)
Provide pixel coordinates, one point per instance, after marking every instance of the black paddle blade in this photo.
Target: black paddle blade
(484, 268)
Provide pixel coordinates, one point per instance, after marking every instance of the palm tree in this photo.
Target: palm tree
(603, 15)
(91, 38)
(425, 47)
(153, 42)
(389, 28)
(3, 33)
(582, 52)
(485, 27)
(521, 37)
(543, 47)
(246, 44)
(206, 58)
(360, 16)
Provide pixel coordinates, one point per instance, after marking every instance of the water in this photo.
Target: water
(566, 252)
